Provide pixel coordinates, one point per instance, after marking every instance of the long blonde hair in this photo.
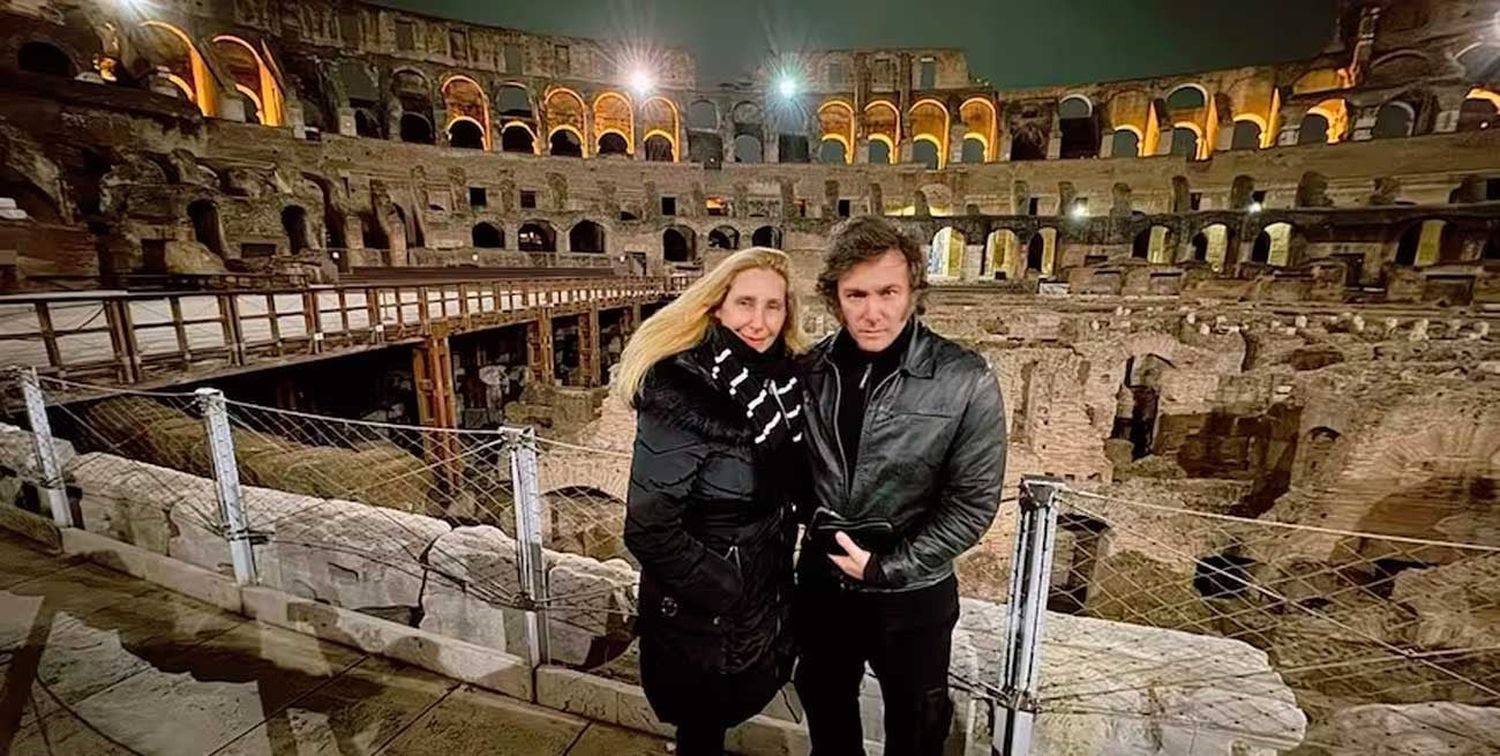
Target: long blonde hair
(683, 323)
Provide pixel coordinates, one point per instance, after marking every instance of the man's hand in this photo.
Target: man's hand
(853, 564)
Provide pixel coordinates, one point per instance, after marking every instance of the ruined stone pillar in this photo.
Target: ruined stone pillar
(1364, 125)
(539, 348)
(1054, 141)
(1450, 102)
(1107, 145)
(589, 347)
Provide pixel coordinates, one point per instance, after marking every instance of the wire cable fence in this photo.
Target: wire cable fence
(1347, 620)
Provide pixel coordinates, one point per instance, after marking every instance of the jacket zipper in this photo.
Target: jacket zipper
(838, 400)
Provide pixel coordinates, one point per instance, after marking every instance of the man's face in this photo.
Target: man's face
(875, 300)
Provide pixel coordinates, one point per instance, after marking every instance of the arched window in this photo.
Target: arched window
(677, 245)
(43, 58)
(1273, 245)
(1314, 130)
(658, 149)
(366, 125)
(1406, 248)
(724, 237)
(416, 129)
(517, 138)
(703, 116)
(1080, 131)
(1126, 143)
(1185, 97)
(488, 236)
(1247, 135)
(747, 149)
(514, 101)
(924, 152)
(465, 134)
(536, 236)
(1141, 247)
(1036, 252)
(832, 152)
(586, 236)
(1200, 246)
(610, 144)
(1185, 142)
(880, 152)
(973, 150)
(766, 236)
(1394, 120)
(564, 143)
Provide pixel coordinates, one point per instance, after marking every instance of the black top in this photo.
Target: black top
(859, 373)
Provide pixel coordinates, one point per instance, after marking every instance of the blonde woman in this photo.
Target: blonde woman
(717, 461)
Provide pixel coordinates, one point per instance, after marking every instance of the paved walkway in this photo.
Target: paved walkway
(95, 662)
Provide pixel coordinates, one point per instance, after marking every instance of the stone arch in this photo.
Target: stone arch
(1480, 110)
(1395, 119)
(413, 95)
(586, 236)
(1316, 447)
(536, 236)
(1188, 142)
(747, 149)
(611, 144)
(565, 142)
(515, 102)
(1126, 142)
(746, 118)
(883, 127)
(1079, 126)
(486, 235)
(766, 236)
(945, 253)
(981, 124)
(416, 128)
(1325, 123)
(44, 58)
(929, 123)
(679, 244)
(1186, 97)
(1428, 242)
(660, 122)
(1397, 68)
(170, 47)
(724, 237)
(1480, 62)
(1273, 245)
(926, 151)
(252, 78)
(517, 137)
(465, 133)
(833, 151)
(1153, 244)
(703, 115)
(1041, 251)
(1003, 256)
(836, 126)
(1211, 245)
(466, 102)
(564, 111)
(1249, 133)
(613, 114)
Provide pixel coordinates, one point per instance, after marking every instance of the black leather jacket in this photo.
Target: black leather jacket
(709, 520)
(931, 461)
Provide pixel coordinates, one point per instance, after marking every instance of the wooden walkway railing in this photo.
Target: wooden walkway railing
(131, 338)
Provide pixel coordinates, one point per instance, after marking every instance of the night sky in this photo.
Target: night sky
(1009, 43)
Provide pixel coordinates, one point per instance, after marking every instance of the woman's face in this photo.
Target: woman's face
(755, 307)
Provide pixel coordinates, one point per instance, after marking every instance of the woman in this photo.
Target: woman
(717, 450)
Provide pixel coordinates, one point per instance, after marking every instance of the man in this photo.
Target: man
(907, 443)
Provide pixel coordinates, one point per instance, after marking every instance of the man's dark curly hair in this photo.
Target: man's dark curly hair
(866, 238)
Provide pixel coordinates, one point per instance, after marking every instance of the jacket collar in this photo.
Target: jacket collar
(918, 361)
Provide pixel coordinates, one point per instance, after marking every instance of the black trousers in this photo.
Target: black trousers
(907, 639)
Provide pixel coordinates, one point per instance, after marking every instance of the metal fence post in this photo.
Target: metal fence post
(53, 488)
(530, 558)
(227, 480)
(1025, 613)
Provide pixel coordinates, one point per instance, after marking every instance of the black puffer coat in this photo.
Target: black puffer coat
(709, 518)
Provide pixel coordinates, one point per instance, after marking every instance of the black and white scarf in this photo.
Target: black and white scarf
(770, 393)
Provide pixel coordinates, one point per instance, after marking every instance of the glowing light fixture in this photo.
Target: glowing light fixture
(641, 81)
(1078, 212)
(787, 86)
(1255, 207)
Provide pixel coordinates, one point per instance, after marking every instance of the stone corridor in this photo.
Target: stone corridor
(95, 662)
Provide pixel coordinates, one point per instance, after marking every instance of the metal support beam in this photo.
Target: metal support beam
(1025, 615)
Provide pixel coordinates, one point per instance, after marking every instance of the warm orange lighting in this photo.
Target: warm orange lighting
(987, 128)
(200, 91)
(268, 100)
(451, 89)
(930, 123)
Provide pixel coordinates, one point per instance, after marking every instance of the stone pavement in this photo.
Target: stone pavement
(95, 662)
